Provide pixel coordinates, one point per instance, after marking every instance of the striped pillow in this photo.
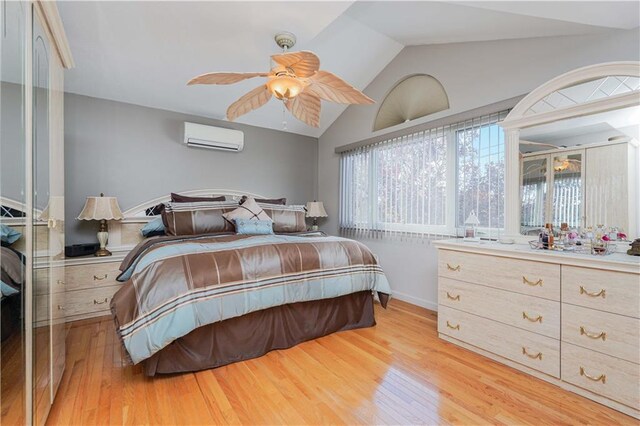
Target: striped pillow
(286, 219)
(204, 217)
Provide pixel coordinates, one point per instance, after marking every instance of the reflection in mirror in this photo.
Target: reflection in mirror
(12, 208)
(581, 172)
(534, 195)
(567, 190)
(41, 282)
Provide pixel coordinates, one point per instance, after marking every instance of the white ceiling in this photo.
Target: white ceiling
(145, 52)
(584, 130)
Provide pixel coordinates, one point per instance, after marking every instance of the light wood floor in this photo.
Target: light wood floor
(398, 372)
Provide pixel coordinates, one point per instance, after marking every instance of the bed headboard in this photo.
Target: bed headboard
(125, 234)
(147, 209)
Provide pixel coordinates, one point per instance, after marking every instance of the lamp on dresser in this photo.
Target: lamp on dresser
(103, 209)
(315, 209)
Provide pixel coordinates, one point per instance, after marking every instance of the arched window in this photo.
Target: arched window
(413, 97)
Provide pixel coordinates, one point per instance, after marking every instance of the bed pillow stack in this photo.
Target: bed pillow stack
(197, 218)
(286, 219)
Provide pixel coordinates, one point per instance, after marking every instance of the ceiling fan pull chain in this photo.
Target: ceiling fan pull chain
(284, 115)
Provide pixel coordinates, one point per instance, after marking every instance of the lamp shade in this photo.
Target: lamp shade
(53, 210)
(316, 209)
(101, 208)
(472, 219)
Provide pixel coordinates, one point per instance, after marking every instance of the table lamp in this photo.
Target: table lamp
(315, 209)
(101, 208)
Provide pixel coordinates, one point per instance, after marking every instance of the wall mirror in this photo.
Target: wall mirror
(13, 92)
(580, 172)
(572, 152)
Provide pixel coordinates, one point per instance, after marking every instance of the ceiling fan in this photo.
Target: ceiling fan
(564, 163)
(296, 80)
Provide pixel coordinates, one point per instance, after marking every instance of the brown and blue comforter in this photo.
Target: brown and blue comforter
(177, 284)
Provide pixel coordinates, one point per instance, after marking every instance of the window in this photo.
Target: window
(426, 182)
(480, 174)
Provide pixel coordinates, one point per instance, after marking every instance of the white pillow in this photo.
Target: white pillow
(248, 210)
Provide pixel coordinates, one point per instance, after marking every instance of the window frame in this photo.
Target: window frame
(450, 227)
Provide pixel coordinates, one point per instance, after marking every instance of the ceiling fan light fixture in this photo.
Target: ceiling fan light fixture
(285, 86)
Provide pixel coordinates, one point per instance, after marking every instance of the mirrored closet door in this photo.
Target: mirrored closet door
(13, 209)
(34, 54)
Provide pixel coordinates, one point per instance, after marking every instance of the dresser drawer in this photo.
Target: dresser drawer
(90, 276)
(610, 334)
(520, 276)
(601, 374)
(533, 350)
(615, 292)
(83, 302)
(519, 310)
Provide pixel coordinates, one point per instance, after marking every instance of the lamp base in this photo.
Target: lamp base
(102, 252)
(103, 239)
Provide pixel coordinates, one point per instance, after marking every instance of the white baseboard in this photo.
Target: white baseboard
(423, 303)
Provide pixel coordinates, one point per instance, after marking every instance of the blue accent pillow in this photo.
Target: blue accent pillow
(9, 235)
(7, 290)
(153, 228)
(254, 227)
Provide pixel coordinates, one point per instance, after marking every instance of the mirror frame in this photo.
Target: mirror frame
(517, 120)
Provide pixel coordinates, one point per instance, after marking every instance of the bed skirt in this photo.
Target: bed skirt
(253, 335)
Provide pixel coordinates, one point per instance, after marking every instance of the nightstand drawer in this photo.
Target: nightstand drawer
(610, 334)
(530, 349)
(604, 375)
(615, 292)
(520, 276)
(91, 276)
(88, 302)
(530, 313)
(44, 283)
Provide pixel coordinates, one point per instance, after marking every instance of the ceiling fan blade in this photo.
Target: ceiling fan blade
(330, 87)
(252, 100)
(303, 63)
(305, 107)
(225, 77)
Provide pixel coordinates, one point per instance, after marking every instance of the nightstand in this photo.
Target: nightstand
(90, 283)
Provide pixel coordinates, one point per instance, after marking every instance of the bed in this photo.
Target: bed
(193, 302)
(11, 269)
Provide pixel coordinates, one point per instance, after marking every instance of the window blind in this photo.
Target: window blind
(406, 185)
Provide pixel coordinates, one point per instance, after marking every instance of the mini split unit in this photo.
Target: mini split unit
(211, 137)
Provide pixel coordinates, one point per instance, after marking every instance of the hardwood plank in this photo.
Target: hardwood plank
(398, 372)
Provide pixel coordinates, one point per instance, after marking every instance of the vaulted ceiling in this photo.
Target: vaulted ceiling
(144, 52)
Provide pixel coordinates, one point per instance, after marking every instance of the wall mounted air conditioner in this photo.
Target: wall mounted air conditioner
(201, 136)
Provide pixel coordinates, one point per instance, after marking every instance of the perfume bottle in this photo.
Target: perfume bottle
(548, 236)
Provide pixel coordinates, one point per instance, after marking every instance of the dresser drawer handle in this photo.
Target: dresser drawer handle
(602, 293)
(527, 317)
(60, 282)
(536, 356)
(96, 278)
(532, 283)
(101, 302)
(453, 268)
(453, 327)
(601, 378)
(61, 308)
(449, 296)
(602, 335)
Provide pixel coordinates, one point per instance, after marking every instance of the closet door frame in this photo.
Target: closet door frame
(51, 21)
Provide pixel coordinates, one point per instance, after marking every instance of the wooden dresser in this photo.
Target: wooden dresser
(90, 283)
(573, 320)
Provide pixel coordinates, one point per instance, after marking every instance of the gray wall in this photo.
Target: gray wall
(474, 75)
(136, 154)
